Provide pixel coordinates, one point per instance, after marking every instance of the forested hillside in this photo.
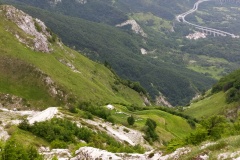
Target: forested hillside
(174, 67)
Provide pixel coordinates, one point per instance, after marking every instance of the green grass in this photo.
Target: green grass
(93, 83)
(199, 20)
(152, 21)
(209, 106)
(210, 65)
(212, 70)
(222, 146)
(168, 126)
(26, 138)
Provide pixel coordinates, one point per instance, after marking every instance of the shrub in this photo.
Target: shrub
(131, 120)
(232, 95)
(101, 112)
(150, 134)
(72, 109)
(197, 136)
(151, 155)
(33, 153)
(215, 126)
(220, 145)
(151, 124)
(110, 119)
(87, 115)
(125, 130)
(38, 27)
(191, 123)
(58, 144)
(14, 150)
(174, 144)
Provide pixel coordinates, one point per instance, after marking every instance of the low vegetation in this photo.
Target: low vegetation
(210, 129)
(12, 149)
(61, 132)
(230, 85)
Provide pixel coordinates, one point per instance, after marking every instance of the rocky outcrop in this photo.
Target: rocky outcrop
(135, 27)
(82, 1)
(120, 133)
(55, 2)
(47, 114)
(36, 32)
(3, 134)
(91, 153)
(63, 154)
(70, 65)
(12, 102)
(161, 100)
(144, 51)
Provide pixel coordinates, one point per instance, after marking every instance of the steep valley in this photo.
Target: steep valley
(148, 93)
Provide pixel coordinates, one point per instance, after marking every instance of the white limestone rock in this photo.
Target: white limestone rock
(36, 30)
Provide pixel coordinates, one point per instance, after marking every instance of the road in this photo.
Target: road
(181, 18)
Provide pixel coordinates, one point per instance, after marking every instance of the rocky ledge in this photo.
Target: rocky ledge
(36, 30)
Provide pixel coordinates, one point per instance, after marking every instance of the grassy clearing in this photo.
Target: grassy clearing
(176, 126)
(212, 70)
(26, 138)
(212, 105)
(199, 20)
(154, 22)
(209, 65)
(168, 126)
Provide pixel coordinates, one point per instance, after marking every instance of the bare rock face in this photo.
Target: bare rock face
(135, 27)
(91, 153)
(161, 100)
(12, 102)
(34, 28)
(82, 1)
(63, 154)
(54, 2)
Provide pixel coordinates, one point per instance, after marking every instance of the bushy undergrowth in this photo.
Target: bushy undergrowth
(149, 129)
(101, 112)
(212, 128)
(191, 121)
(230, 85)
(13, 150)
(61, 132)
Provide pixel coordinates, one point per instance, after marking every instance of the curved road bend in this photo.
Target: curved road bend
(211, 30)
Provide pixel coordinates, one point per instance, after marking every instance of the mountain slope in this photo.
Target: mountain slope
(167, 55)
(122, 50)
(38, 71)
(224, 99)
(73, 76)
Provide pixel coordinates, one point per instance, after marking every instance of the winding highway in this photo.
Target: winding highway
(181, 18)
